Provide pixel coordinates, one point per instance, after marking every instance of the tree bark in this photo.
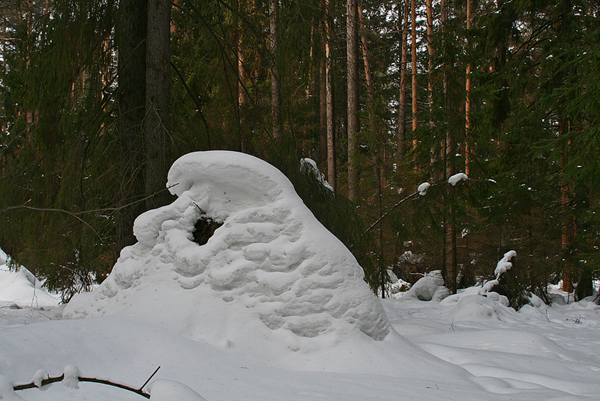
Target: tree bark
(468, 102)
(568, 225)
(402, 99)
(242, 76)
(131, 101)
(275, 79)
(430, 49)
(323, 114)
(352, 82)
(415, 121)
(331, 159)
(158, 89)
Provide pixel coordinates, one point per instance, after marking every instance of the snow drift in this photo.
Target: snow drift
(271, 268)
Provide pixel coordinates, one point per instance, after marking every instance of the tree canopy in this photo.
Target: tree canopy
(99, 97)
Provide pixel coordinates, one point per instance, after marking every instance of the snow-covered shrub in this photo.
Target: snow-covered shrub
(429, 288)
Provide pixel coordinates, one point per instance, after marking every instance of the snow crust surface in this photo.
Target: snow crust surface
(271, 268)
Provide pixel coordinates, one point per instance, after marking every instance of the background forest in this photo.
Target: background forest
(99, 97)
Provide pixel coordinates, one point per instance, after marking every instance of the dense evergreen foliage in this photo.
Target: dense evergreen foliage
(511, 98)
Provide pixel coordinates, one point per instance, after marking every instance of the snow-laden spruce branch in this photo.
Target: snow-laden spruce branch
(72, 376)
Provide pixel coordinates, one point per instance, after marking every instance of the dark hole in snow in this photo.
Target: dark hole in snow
(204, 229)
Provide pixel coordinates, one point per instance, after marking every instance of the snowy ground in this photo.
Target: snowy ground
(468, 348)
(273, 307)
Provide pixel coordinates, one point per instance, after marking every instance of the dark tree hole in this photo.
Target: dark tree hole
(204, 229)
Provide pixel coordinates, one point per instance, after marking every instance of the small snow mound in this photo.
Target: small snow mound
(167, 390)
(71, 376)
(472, 305)
(456, 178)
(429, 288)
(270, 268)
(422, 189)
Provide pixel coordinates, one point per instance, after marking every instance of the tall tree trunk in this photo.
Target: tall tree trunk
(242, 74)
(430, 50)
(158, 89)
(131, 102)
(402, 99)
(323, 114)
(468, 102)
(352, 82)
(450, 255)
(368, 74)
(413, 31)
(331, 159)
(568, 225)
(275, 79)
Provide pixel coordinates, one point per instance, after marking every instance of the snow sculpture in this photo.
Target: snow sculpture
(270, 267)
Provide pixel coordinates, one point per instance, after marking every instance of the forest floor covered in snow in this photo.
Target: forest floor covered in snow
(464, 348)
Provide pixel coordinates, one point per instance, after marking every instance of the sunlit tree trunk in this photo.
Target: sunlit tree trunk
(430, 50)
(242, 98)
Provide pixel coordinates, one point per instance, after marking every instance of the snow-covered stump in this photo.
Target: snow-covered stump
(269, 268)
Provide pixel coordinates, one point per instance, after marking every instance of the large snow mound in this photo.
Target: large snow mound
(271, 268)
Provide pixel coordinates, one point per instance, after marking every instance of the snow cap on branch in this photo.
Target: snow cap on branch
(422, 189)
(71, 376)
(456, 178)
(505, 264)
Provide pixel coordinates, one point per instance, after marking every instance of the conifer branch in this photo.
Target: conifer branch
(390, 210)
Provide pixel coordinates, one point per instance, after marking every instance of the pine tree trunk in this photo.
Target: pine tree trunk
(450, 258)
(468, 102)
(402, 98)
(131, 102)
(275, 80)
(415, 122)
(430, 49)
(323, 114)
(242, 76)
(352, 82)
(331, 159)
(568, 225)
(158, 89)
